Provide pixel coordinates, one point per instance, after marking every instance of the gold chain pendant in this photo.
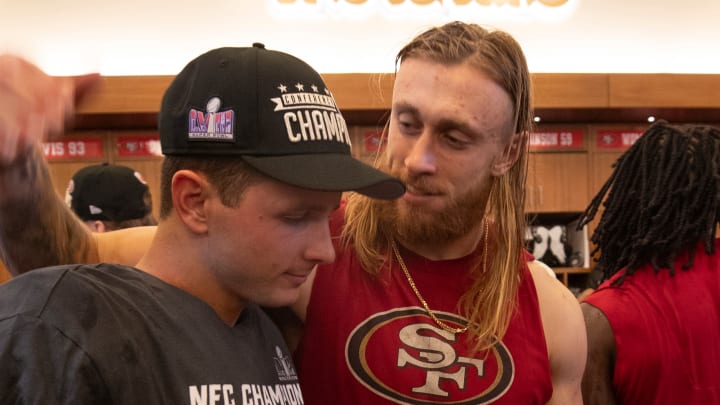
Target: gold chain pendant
(424, 303)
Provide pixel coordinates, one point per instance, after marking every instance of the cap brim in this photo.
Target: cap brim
(329, 172)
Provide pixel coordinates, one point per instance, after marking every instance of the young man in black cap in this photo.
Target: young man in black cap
(109, 197)
(257, 157)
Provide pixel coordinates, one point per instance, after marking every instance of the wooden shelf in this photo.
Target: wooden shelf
(373, 91)
(563, 272)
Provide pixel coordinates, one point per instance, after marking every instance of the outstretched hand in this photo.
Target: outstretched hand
(34, 105)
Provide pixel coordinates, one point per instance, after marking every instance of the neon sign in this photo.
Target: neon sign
(404, 9)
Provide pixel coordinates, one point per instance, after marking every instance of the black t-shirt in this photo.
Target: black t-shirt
(115, 335)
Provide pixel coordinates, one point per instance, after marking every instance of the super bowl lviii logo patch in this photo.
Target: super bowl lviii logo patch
(284, 366)
(310, 114)
(211, 124)
(401, 355)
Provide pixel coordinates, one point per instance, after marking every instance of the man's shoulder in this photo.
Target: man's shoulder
(558, 305)
(548, 287)
(29, 292)
(58, 288)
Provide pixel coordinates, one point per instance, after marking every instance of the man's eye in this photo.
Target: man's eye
(408, 126)
(294, 218)
(455, 141)
(306, 217)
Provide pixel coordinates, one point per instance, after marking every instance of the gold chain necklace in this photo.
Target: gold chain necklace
(417, 292)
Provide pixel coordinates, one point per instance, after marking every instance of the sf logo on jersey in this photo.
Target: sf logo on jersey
(435, 366)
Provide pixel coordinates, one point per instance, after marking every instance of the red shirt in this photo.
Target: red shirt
(667, 332)
(369, 341)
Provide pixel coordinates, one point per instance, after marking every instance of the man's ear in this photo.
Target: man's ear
(510, 155)
(190, 192)
(96, 226)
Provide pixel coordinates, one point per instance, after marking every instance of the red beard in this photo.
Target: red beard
(420, 225)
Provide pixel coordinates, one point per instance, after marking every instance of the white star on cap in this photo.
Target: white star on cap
(315, 88)
(300, 87)
(282, 88)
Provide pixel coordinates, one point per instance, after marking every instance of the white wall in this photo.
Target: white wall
(146, 37)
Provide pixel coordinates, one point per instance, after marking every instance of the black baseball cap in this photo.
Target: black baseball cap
(272, 110)
(108, 193)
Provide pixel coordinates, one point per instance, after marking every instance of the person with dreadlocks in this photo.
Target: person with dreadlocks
(653, 325)
(433, 298)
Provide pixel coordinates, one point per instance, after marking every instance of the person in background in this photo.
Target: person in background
(433, 298)
(653, 325)
(244, 220)
(108, 197)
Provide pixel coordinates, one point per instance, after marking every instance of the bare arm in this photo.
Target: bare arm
(597, 384)
(124, 246)
(37, 229)
(564, 334)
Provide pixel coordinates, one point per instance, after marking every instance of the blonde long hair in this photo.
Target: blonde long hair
(489, 303)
